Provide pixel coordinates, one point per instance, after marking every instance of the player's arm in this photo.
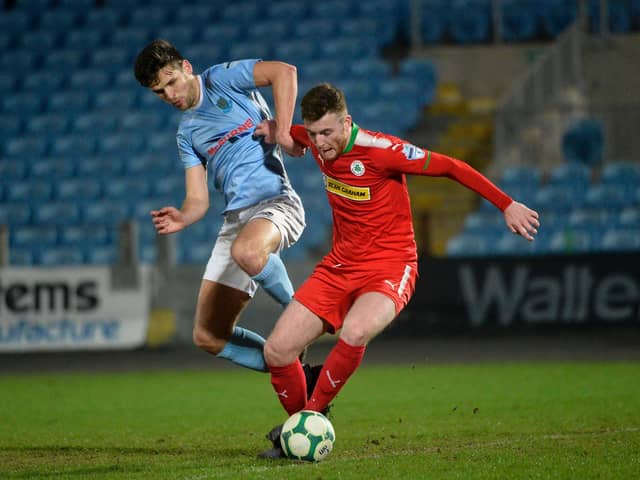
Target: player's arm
(267, 129)
(283, 79)
(519, 218)
(194, 207)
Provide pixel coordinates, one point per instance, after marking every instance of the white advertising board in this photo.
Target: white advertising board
(71, 308)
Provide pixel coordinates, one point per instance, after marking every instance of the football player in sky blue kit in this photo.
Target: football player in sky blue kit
(262, 213)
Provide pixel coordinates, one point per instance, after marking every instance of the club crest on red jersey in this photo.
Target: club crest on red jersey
(357, 168)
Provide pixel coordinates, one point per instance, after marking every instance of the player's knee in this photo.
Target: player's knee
(355, 336)
(250, 259)
(208, 342)
(275, 356)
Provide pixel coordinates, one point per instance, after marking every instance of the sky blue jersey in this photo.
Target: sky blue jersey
(218, 133)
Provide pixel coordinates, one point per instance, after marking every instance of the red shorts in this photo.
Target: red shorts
(331, 290)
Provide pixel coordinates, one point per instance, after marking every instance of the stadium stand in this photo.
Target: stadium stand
(83, 147)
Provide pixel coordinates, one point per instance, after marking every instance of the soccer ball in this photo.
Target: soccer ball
(307, 435)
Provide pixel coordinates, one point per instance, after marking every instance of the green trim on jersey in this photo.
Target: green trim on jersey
(354, 132)
(426, 163)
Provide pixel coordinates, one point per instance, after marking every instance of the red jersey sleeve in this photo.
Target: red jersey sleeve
(409, 159)
(299, 134)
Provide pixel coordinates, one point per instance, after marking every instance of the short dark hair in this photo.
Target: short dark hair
(322, 99)
(155, 56)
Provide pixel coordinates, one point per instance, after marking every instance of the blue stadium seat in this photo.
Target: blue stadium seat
(521, 175)
(325, 70)
(465, 245)
(11, 125)
(509, 244)
(39, 41)
(16, 21)
(312, 27)
(141, 121)
(621, 240)
(129, 189)
(591, 219)
(111, 59)
(103, 20)
(571, 175)
(297, 53)
(424, 72)
(348, 48)
(380, 32)
(91, 79)
(625, 175)
(197, 15)
(251, 49)
(101, 166)
(60, 256)
(489, 224)
(58, 213)
(13, 170)
(291, 10)
(86, 39)
(64, 59)
(143, 15)
(469, 24)
(69, 101)
(193, 252)
(583, 142)
(59, 19)
(100, 254)
(121, 143)
(556, 16)
(92, 122)
(80, 235)
(27, 236)
(47, 124)
(52, 168)
(8, 81)
(78, 189)
(129, 38)
(373, 69)
(630, 217)
(116, 100)
(16, 213)
(271, 31)
(73, 145)
(22, 103)
(36, 81)
(572, 241)
(557, 198)
(243, 13)
(110, 213)
(21, 257)
(31, 190)
(178, 34)
(519, 21)
(222, 33)
(27, 147)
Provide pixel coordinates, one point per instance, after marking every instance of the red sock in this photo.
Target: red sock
(340, 364)
(291, 386)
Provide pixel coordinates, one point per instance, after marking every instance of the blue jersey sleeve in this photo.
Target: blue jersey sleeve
(237, 75)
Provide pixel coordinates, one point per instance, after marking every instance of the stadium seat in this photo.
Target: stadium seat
(11, 125)
(556, 16)
(609, 197)
(82, 235)
(91, 79)
(100, 254)
(34, 82)
(271, 31)
(557, 198)
(583, 142)
(49, 168)
(39, 41)
(117, 100)
(129, 189)
(111, 59)
(92, 122)
(131, 38)
(109, 213)
(60, 19)
(621, 240)
(21, 257)
(102, 166)
(120, 143)
(27, 236)
(22, 103)
(571, 175)
(200, 13)
(102, 20)
(16, 21)
(465, 245)
(86, 38)
(242, 13)
(60, 256)
(64, 59)
(143, 15)
(74, 145)
(630, 217)
(251, 49)
(69, 101)
(13, 170)
(625, 175)
(317, 71)
(348, 48)
(16, 213)
(141, 121)
(572, 241)
(519, 22)
(296, 53)
(27, 147)
(289, 9)
(45, 124)
(58, 213)
(469, 24)
(178, 34)
(31, 190)
(78, 189)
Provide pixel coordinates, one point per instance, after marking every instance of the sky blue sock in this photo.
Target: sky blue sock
(274, 280)
(244, 348)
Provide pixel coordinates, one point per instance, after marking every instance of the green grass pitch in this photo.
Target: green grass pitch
(485, 421)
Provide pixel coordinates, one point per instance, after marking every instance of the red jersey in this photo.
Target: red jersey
(367, 190)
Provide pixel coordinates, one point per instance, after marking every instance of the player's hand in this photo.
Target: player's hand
(266, 129)
(168, 220)
(521, 220)
(289, 145)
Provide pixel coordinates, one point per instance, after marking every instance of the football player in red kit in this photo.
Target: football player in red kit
(369, 275)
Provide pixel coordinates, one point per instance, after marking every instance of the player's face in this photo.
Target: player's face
(330, 134)
(177, 86)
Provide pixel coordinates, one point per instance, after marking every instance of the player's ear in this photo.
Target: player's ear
(187, 67)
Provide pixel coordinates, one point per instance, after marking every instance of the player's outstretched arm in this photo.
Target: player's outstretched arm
(522, 220)
(196, 203)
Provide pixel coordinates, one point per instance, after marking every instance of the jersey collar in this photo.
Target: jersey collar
(354, 132)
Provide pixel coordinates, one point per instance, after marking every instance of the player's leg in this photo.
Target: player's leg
(215, 331)
(296, 328)
(225, 291)
(270, 227)
(369, 315)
